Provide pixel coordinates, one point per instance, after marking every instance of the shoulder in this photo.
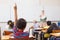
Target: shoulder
(21, 35)
(25, 34)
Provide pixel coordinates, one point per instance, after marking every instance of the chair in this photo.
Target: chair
(59, 24)
(7, 32)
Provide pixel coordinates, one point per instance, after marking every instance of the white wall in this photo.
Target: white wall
(29, 9)
(52, 9)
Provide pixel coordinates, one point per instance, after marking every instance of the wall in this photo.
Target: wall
(29, 9)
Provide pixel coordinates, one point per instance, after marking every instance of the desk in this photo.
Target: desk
(5, 37)
(55, 34)
(39, 30)
(42, 29)
(8, 37)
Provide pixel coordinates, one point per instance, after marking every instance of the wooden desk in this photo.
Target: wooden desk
(21, 39)
(42, 29)
(8, 37)
(55, 34)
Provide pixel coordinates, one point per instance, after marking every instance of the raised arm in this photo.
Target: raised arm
(15, 14)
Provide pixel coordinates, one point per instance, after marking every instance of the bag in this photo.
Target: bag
(46, 35)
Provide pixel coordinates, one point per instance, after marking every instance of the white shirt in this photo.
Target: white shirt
(7, 28)
(36, 25)
(43, 17)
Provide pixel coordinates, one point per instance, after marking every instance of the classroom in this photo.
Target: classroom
(29, 19)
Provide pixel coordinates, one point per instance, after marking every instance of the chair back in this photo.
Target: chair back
(7, 32)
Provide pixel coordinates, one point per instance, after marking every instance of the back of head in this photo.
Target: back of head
(54, 25)
(48, 23)
(21, 24)
(35, 21)
(10, 23)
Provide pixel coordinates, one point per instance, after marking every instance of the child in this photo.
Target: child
(19, 28)
(9, 28)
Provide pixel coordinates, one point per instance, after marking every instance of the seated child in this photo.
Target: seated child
(52, 27)
(19, 28)
(9, 28)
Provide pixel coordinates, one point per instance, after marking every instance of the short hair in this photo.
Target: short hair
(35, 21)
(21, 23)
(48, 23)
(54, 25)
(10, 21)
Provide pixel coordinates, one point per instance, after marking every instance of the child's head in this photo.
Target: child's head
(54, 25)
(21, 24)
(10, 23)
(48, 23)
(35, 21)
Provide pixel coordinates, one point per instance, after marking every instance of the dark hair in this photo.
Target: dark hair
(54, 25)
(21, 23)
(48, 23)
(10, 23)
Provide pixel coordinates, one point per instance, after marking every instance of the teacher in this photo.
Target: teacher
(43, 19)
(43, 16)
